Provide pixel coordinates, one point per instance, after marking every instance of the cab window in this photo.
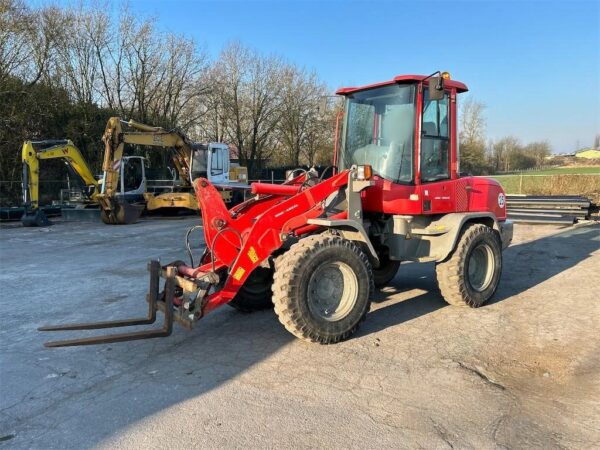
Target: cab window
(133, 174)
(435, 142)
(217, 162)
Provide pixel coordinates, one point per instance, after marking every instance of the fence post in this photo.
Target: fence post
(521, 184)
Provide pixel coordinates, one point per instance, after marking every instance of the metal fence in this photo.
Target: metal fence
(552, 184)
(11, 192)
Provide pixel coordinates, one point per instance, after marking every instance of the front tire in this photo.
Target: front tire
(322, 288)
(470, 275)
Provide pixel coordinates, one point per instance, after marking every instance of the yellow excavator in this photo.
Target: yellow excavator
(190, 160)
(31, 154)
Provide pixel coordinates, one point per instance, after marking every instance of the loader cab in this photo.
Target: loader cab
(406, 130)
(210, 161)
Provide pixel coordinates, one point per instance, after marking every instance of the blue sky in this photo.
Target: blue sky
(535, 65)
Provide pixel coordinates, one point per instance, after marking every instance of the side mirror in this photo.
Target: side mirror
(436, 88)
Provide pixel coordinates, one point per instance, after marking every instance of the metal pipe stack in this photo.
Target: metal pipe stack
(547, 209)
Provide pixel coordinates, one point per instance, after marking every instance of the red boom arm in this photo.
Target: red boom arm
(242, 243)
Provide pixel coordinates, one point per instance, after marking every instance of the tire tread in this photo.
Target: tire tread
(286, 281)
(450, 272)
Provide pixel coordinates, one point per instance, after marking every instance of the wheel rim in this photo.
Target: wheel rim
(481, 267)
(332, 291)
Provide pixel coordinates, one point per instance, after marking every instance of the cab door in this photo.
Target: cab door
(133, 177)
(434, 179)
(219, 164)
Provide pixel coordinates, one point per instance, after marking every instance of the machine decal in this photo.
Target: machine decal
(252, 255)
(501, 200)
(239, 273)
(279, 214)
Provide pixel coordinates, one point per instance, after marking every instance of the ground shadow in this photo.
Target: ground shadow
(544, 258)
(539, 260)
(78, 397)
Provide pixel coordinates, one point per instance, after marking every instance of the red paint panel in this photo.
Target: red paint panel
(390, 198)
(487, 195)
(273, 189)
(261, 232)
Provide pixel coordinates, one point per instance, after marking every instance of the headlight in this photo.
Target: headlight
(364, 172)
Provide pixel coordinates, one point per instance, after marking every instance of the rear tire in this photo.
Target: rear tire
(322, 288)
(470, 275)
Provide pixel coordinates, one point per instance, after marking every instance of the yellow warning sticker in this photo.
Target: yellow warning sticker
(252, 254)
(239, 273)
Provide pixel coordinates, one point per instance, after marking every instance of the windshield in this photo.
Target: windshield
(379, 130)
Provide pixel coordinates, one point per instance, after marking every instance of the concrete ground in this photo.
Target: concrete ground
(521, 372)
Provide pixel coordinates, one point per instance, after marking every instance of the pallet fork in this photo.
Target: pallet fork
(154, 303)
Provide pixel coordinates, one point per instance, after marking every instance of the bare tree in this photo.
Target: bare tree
(27, 41)
(301, 122)
(214, 124)
(503, 152)
(538, 151)
(14, 38)
(181, 88)
(77, 63)
(472, 136)
(250, 87)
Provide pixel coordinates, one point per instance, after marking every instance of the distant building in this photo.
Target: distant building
(559, 155)
(588, 154)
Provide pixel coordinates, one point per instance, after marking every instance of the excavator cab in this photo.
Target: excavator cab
(210, 161)
(133, 178)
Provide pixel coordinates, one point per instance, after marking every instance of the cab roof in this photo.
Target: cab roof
(401, 79)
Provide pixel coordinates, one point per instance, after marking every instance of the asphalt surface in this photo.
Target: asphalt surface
(523, 371)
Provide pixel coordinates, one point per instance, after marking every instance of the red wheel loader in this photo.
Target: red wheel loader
(316, 248)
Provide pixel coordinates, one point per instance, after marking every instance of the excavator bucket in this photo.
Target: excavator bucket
(35, 218)
(156, 301)
(122, 213)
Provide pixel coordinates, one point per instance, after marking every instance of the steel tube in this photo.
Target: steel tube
(274, 189)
